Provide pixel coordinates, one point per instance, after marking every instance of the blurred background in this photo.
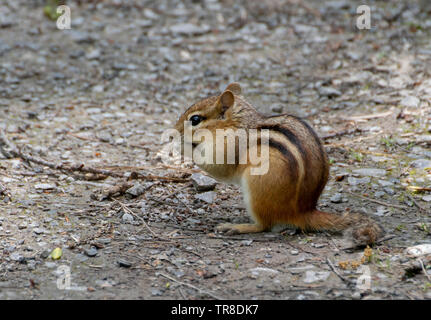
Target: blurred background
(164, 54)
(103, 92)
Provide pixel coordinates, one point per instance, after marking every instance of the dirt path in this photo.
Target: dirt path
(102, 94)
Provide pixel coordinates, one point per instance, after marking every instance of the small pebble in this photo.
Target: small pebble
(124, 263)
(38, 231)
(337, 198)
(202, 182)
(207, 197)
(91, 252)
(156, 292)
(127, 218)
(45, 254)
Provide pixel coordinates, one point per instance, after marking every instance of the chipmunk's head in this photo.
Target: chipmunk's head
(211, 113)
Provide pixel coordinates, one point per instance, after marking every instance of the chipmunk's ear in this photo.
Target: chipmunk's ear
(227, 99)
(234, 87)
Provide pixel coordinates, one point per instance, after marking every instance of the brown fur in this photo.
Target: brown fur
(298, 169)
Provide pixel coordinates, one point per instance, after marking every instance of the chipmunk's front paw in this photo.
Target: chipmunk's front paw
(228, 228)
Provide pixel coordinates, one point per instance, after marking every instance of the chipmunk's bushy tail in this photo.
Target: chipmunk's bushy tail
(364, 230)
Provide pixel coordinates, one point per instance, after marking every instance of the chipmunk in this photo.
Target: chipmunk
(298, 169)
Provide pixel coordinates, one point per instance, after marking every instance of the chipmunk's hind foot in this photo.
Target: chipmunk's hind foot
(231, 229)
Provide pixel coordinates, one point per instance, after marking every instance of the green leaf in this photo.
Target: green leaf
(56, 253)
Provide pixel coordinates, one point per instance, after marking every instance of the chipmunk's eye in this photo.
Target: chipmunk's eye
(196, 119)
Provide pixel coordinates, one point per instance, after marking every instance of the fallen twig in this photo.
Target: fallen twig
(189, 285)
(100, 141)
(189, 209)
(117, 189)
(417, 204)
(340, 133)
(379, 202)
(331, 265)
(307, 7)
(15, 152)
(173, 193)
(159, 166)
(213, 236)
(344, 146)
(125, 208)
(424, 270)
(181, 293)
(418, 189)
(388, 237)
(368, 116)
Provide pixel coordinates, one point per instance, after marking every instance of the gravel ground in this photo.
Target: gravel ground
(103, 92)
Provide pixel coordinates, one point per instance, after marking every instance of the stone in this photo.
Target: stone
(104, 283)
(16, 256)
(178, 273)
(354, 55)
(258, 270)
(44, 186)
(81, 37)
(22, 225)
(356, 181)
(98, 88)
(50, 265)
(246, 242)
(81, 258)
(91, 252)
(38, 230)
(45, 254)
(385, 183)
(318, 245)
(76, 54)
(93, 54)
(337, 5)
(421, 163)
(193, 221)
(136, 190)
(202, 182)
(381, 211)
(104, 240)
(277, 108)
(389, 191)
(156, 292)
(370, 172)
(337, 198)
(356, 295)
(419, 250)
(127, 218)
(379, 194)
(124, 263)
(410, 102)
(315, 276)
(150, 14)
(207, 197)
(423, 139)
(329, 92)
(298, 270)
(189, 29)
